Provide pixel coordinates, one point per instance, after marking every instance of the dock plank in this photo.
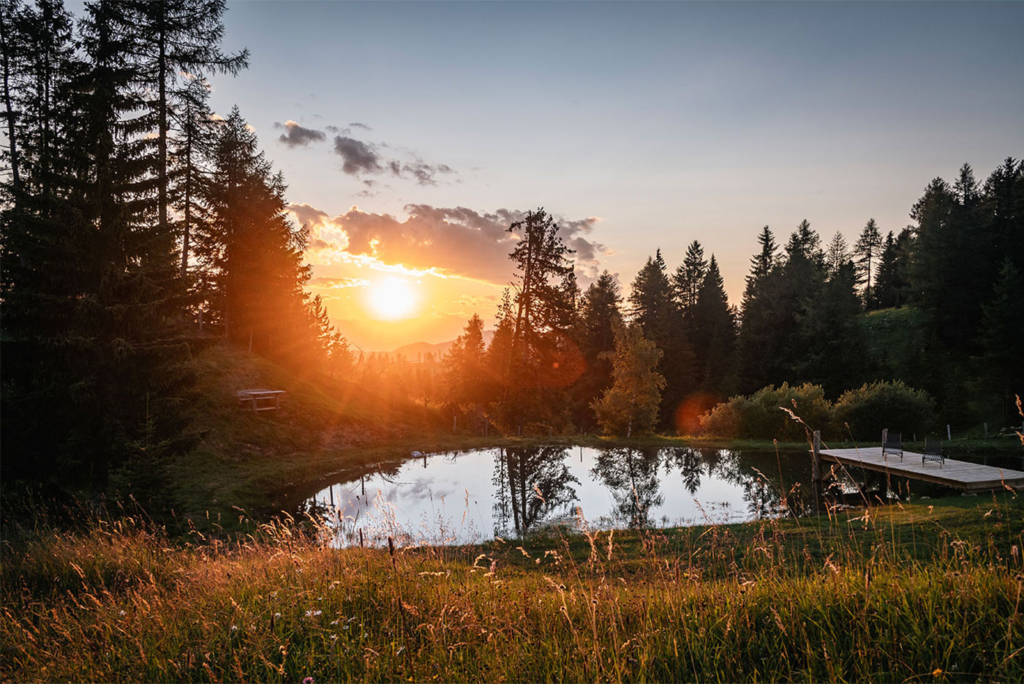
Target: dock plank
(960, 474)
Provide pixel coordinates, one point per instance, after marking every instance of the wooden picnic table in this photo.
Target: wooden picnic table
(260, 399)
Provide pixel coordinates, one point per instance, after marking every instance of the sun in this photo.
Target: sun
(392, 299)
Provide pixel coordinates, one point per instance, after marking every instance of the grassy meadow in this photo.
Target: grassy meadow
(923, 592)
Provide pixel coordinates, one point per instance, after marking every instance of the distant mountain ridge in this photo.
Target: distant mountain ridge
(418, 350)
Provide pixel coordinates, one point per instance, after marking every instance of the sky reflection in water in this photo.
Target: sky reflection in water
(471, 496)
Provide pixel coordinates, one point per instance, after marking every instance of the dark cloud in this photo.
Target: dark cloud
(360, 125)
(296, 136)
(365, 158)
(358, 157)
(454, 240)
(333, 129)
(423, 173)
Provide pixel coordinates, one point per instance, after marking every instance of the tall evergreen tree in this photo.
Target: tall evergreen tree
(714, 335)
(867, 250)
(828, 338)
(836, 255)
(689, 277)
(544, 304)
(653, 307)
(599, 312)
(1002, 341)
(890, 283)
(758, 343)
(189, 161)
(464, 367)
(255, 251)
(179, 39)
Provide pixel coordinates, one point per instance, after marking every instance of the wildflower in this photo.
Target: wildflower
(121, 613)
(307, 680)
(277, 615)
(334, 637)
(313, 613)
(234, 628)
(334, 622)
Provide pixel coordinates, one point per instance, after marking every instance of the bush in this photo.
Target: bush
(884, 405)
(760, 416)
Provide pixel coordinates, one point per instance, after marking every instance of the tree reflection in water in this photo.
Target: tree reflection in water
(632, 477)
(531, 483)
(689, 462)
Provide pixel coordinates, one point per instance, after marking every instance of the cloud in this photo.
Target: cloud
(361, 158)
(358, 157)
(338, 283)
(308, 216)
(454, 241)
(296, 136)
(360, 125)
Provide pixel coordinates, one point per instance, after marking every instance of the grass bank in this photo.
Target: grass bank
(921, 592)
(324, 433)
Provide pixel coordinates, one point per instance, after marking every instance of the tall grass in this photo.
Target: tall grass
(922, 592)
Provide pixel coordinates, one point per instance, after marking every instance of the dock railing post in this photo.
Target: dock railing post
(816, 471)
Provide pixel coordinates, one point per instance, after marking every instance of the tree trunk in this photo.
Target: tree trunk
(188, 201)
(5, 48)
(162, 117)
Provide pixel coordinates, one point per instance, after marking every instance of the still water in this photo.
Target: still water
(472, 496)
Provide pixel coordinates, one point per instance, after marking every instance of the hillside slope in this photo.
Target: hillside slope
(322, 426)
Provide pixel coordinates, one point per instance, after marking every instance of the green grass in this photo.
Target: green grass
(896, 594)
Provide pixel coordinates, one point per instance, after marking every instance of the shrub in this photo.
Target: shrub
(884, 405)
(760, 416)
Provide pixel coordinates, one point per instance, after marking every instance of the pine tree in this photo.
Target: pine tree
(466, 382)
(177, 37)
(714, 335)
(688, 279)
(653, 307)
(255, 252)
(631, 403)
(758, 343)
(889, 284)
(762, 263)
(1002, 341)
(599, 312)
(544, 304)
(867, 250)
(836, 255)
(189, 172)
(828, 338)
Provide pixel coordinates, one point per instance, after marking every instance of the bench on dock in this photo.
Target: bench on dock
(260, 399)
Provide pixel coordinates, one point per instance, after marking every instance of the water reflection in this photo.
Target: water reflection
(464, 497)
(531, 483)
(631, 475)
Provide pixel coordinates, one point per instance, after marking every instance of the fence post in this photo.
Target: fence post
(816, 471)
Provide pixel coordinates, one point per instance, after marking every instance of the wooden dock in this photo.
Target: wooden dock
(971, 477)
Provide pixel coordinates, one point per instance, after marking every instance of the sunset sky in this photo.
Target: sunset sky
(411, 134)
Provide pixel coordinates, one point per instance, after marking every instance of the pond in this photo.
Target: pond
(472, 496)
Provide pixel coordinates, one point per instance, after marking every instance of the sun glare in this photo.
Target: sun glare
(392, 299)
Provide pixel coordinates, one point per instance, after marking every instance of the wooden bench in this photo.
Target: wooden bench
(260, 399)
